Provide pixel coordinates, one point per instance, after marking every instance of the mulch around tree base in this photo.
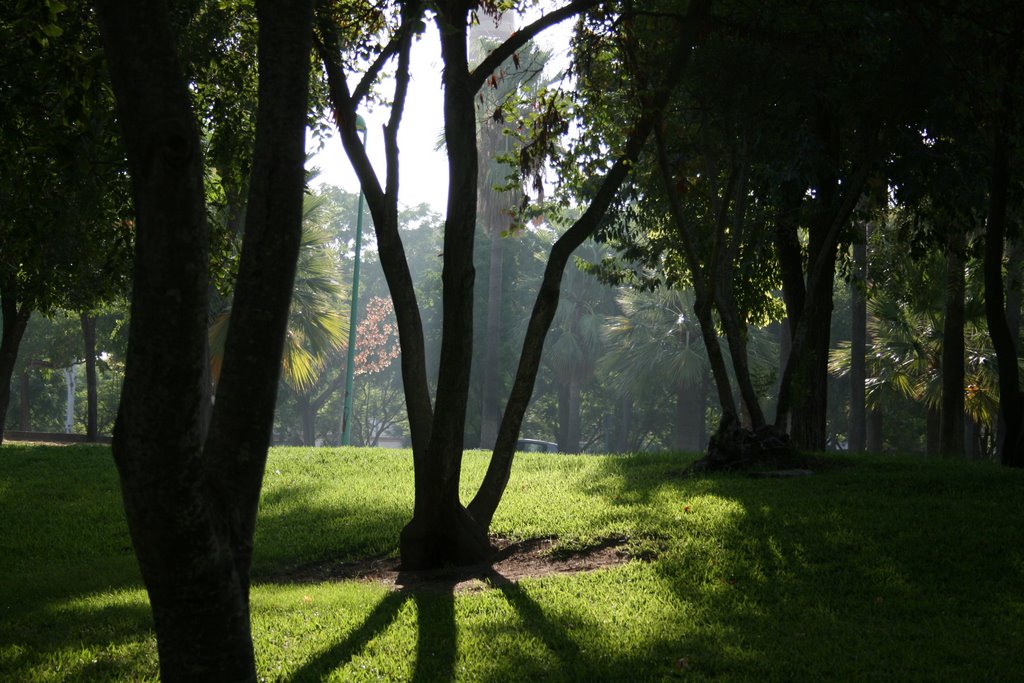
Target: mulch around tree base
(513, 560)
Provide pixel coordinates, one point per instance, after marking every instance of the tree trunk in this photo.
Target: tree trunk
(489, 403)
(15, 320)
(191, 507)
(809, 387)
(623, 419)
(951, 436)
(689, 418)
(92, 397)
(441, 530)
(933, 424)
(1010, 403)
(23, 400)
(573, 433)
(562, 435)
(972, 439)
(307, 417)
(875, 442)
(858, 343)
(803, 391)
(1014, 297)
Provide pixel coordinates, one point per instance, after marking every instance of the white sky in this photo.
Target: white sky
(424, 170)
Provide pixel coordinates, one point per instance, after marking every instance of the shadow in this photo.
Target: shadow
(436, 632)
(564, 648)
(47, 644)
(382, 616)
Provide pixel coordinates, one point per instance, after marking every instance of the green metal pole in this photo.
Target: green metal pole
(350, 361)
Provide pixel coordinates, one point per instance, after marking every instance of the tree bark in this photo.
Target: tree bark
(951, 435)
(92, 397)
(933, 424)
(803, 391)
(858, 343)
(441, 531)
(15, 319)
(1010, 402)
(874, 437)
(191, 507)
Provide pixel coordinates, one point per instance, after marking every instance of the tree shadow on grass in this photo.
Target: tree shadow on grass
(435, 639)
(856, 570)
(337, 656)
(437, 630)
(49, 644)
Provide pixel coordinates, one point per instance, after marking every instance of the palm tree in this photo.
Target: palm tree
(575, 344)
(656, 342)
(317, 323)
(905, 349)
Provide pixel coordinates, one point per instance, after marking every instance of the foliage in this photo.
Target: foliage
(64, 233)
(316, 324)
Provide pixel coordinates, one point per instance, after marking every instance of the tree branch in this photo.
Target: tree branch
(492, 61)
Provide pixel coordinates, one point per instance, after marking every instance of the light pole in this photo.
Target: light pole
(350, 361)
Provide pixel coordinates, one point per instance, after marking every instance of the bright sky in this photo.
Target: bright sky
(424, 174)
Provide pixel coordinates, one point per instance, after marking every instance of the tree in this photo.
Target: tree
(317, 328)
(498, 203)
(656, 343)
(576, 344)
(63, 234)
(442, 530)
(191, 489)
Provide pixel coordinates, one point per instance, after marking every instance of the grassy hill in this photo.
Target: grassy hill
(871, 569)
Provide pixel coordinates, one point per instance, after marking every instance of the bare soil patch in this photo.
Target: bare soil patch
(512, 561)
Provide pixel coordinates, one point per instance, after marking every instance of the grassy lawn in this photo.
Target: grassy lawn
(878, 569)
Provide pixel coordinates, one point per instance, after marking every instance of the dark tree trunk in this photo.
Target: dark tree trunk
(725, 294)
(951, 435)
(23, 401)
(307, 417)
(858, 343)
(441, 531)
(92, 398)
(933, 423)
(623, 419)
(874, 431)
(703, 286)
(191, 507)
(803, 391)
(1014, 277)
(15, 321)
(1010, 403)
(383, 205)
(972, 439)
(809, 380)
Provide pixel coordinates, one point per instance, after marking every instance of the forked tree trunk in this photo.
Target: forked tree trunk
(191, 505)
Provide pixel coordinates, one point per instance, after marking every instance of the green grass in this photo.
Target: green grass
(882, 569)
